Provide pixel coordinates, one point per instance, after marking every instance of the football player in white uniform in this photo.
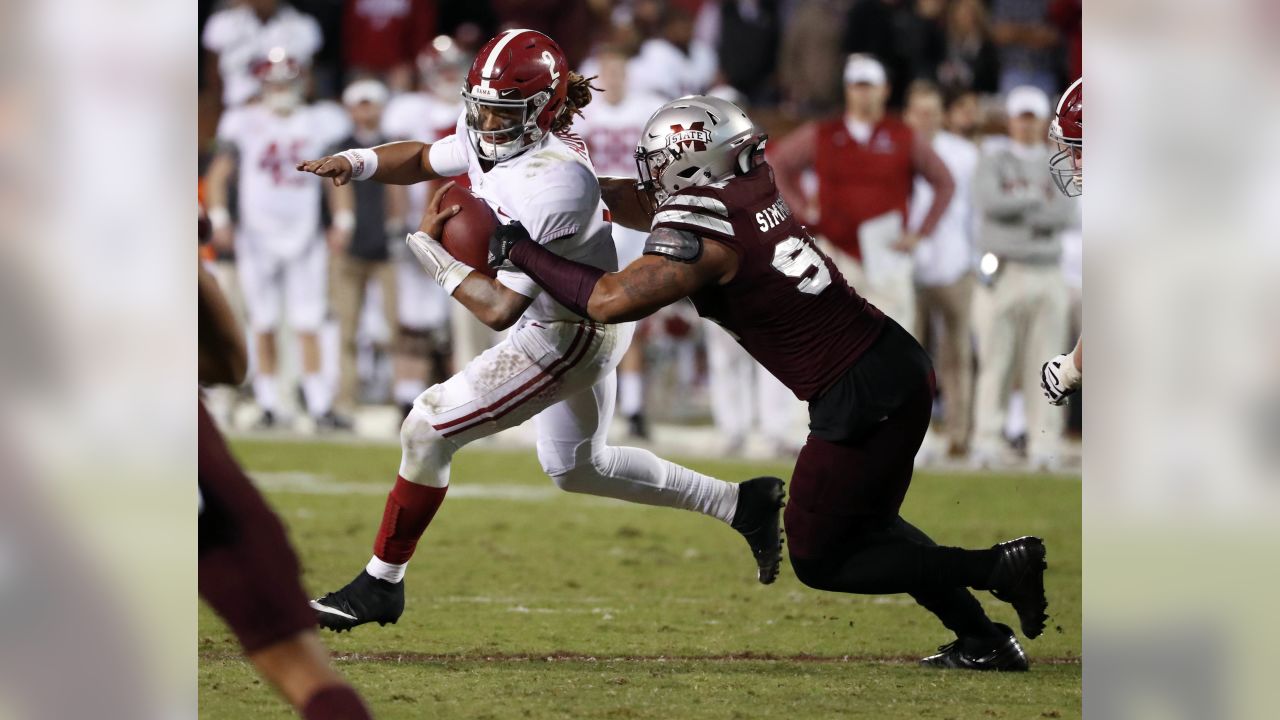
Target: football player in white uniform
(610, 126)
(280, 254)
(1062, 375)
(513, 143)
(429, 323)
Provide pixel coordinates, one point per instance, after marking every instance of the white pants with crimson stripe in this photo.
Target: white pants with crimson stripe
(561, 374)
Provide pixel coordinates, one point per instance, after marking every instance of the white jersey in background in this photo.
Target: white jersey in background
(279, 207)
(612, 132)
(552, 190)
(239, 38)
(423, 117)
(947, 255)
(665, 70)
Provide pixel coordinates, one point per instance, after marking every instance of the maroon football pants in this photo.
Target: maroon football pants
(249, 574)
(838, 489)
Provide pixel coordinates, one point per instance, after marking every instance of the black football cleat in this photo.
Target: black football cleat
(638, 426)
(1018, 579)
(364, 600)
(333, 422)
(1002, 654)
(757, 517)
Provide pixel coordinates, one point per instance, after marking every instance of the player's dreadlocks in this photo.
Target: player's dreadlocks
(579, 96)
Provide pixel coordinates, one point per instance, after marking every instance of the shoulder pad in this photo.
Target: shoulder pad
(701, 214)
(676, 244)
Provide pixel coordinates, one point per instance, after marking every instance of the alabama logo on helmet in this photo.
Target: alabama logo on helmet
(695, 138)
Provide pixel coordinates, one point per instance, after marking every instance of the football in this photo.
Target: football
(466, 235)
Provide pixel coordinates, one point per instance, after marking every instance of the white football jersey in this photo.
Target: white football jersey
(279, 207)
(239, 38)
(553, 191)
(426, 118)
(664, 70)
(612, 132)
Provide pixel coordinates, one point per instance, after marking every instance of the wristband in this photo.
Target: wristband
(344, 220)
(218, 217)
(364, 162)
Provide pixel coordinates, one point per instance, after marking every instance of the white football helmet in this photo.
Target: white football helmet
(696, 140)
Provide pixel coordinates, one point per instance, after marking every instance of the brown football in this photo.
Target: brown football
(466, 235)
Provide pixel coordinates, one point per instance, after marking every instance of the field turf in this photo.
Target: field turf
(527, 602)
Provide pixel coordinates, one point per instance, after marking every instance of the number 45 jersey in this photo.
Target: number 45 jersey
(787, 305)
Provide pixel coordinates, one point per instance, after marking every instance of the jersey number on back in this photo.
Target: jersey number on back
(796, 258)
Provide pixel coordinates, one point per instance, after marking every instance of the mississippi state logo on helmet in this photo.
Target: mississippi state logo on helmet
(696, 140)
(1066, 167)
(514, 92)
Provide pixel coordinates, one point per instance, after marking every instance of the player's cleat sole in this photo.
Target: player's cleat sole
(1018, 579)
(365, 599)
(995, 654)
(758, 517)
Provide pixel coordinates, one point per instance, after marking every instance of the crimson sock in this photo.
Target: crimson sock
(410, 507)
(336, 702)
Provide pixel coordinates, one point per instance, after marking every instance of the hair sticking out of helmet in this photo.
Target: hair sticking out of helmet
(693, 141)
(578, 97)
(1066, 167)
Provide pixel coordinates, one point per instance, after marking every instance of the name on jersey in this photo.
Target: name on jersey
(773, 215)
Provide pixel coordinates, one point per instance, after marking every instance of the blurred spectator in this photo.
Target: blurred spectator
(1027, 44)
(245, 31)
(747, 47)
(964, 114)
(611, 126)
(944, 264)
(810, 58)
(279, 252)
(906, 36)
(1066, 16)
(382, 38)
(674, 64)
(970, 60)
(866, 162)
(568, 22)
(365, 257)
(432, 328)
(1020, 314)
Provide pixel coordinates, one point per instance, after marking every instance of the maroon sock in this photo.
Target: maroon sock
(336, 702)
(410, 508)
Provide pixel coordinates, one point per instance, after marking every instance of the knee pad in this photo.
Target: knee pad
(425, 454)
(813, 572)
(572, 470)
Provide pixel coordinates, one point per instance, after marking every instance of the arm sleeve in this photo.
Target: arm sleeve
(929, 166)
(448, 156)
(789, 158)
(557, 210)
(991, 199)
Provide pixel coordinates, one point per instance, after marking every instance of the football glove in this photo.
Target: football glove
(505, 238)
(1059, 378)
(447, 270)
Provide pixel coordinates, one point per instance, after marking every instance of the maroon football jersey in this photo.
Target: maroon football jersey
(788, 305)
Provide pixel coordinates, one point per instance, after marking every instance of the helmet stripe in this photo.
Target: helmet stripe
(493, 55)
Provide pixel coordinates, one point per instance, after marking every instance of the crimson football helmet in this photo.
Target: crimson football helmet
(1066, 167)
(519, 80)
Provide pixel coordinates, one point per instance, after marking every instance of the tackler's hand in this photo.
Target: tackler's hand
(505, 238)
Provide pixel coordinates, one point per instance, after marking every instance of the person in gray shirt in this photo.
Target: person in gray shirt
(1020, 313)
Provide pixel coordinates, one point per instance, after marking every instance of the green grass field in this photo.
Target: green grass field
(526, 602)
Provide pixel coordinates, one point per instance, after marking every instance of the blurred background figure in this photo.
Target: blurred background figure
(943, 266)
(382, 39)
(611, 126)
(435, 333)
(280, 255)
(810, 59)
(364, 261)
(674, 63)
(1028, 45)
(244, 31)
(866, 163)
(1020, 312)
(970, 59)
(747, 36)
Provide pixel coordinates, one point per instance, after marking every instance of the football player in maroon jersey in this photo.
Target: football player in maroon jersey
(721, 235)
(249, 574)
(1062, 375)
